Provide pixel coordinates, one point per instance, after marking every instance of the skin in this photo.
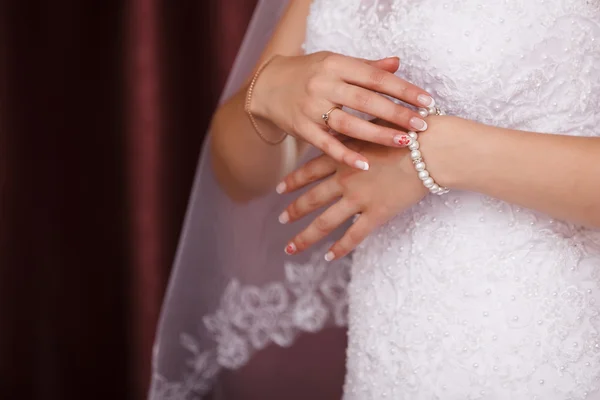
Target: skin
(290, 95)
(556, 174)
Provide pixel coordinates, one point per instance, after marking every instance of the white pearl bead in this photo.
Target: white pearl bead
(423, 112)
(420, 166)
(423, 175)
(414, 146)
(428, 182)
(415, 154)
(412, 134)
(431, 110)
(435, 188)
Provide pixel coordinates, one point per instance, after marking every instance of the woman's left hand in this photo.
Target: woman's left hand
(389, 187)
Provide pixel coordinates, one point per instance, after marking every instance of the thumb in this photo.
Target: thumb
(390, 64)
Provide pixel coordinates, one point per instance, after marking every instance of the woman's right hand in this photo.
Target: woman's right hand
(294, 93)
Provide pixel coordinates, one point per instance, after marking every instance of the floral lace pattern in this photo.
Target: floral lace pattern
(249, 318)
(464, 296)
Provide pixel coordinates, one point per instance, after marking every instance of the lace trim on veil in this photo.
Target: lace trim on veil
(250, 318)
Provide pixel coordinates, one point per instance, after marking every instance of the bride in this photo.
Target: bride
(476, 273)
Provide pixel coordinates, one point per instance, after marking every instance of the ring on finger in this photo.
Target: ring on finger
(325, 116)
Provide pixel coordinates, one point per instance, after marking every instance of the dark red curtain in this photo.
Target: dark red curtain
(103, 108)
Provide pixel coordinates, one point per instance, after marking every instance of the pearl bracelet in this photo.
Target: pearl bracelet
(417, 157)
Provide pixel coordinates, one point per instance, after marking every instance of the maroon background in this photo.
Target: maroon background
(103, 107)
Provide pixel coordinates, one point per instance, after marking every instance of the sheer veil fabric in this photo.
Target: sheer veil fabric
(233, 291)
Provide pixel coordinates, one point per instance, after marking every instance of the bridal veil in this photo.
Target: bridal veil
(233, 292)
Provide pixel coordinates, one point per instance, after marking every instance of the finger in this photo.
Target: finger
(358, 128)
(322, 226)
(370, 77)
(358, 231)
(390, 64)
(315, 198)
(314, 170)
(335, 149)
(369, 102)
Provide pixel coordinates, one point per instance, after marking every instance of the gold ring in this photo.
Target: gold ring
(325, 116)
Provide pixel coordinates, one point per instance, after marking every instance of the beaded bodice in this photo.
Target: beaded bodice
(464, 296)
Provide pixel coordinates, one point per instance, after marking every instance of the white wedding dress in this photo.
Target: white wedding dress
(465, 296)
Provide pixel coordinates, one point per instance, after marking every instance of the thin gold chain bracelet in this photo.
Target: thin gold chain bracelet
(249, 100)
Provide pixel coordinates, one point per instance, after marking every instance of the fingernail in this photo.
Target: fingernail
(290, 249)
(418, 124)
(402, 140)
(281, 187)
(425, 100)
(329, 256)
(360, 164)
(284, 218)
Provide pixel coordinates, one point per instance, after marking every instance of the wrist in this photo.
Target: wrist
(261, 92)
(254, 106)
(445, 147)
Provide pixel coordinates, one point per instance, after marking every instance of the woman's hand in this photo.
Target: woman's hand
(294, 92)
(388, 188)
(550, 173)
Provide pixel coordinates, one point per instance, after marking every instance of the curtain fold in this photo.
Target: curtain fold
(145, 182)
(103, 108)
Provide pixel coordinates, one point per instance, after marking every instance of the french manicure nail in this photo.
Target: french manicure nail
(425, 100)
(402, 140)
(360, 164)
(290, 249)
(418, 124)
(281, 187)
(329, 256)
(284, 218)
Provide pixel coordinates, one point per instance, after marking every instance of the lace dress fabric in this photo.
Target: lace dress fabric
(465, 296)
